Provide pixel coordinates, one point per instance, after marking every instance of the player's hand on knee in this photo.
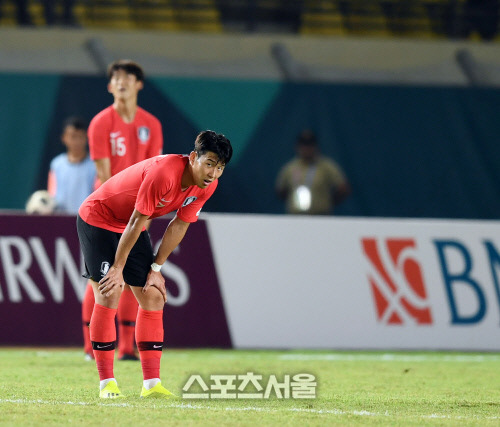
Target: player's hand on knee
(156, 280)
(111, 281)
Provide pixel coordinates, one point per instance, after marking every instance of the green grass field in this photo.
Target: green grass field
(56, 386)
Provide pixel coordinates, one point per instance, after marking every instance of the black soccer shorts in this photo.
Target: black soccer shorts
(99, 248)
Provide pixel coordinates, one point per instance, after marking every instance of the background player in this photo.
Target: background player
(117, 248)
(119, 136)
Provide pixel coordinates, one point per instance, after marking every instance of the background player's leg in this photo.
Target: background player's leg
(87, 308)
(126, 315)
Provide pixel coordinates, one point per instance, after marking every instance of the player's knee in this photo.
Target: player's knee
(153, 299)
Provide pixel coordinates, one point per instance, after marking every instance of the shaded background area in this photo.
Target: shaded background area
(409, 151)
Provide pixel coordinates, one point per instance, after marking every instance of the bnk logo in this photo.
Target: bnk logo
(396, 281)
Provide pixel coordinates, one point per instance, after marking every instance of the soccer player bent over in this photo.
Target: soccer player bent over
(117, 248)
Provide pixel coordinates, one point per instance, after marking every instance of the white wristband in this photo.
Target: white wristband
(155, 267)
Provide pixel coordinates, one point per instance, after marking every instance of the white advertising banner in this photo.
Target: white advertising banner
(353, 283)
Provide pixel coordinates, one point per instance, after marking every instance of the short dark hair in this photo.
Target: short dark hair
(307, 137)
(130, 67)
(75, 121)
(217, 143)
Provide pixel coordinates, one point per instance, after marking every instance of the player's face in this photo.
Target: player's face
(206, 168)
(124, 86)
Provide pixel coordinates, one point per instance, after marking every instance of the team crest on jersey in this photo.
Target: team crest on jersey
(143, 134)
(189, 200)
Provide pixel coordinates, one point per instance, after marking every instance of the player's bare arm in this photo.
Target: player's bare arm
(114, 277)
(103, 168)
(173, 235)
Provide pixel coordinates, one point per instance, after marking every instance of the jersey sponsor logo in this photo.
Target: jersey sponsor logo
(143, 134)
(396, 281)
(189, 200)
(104, 267)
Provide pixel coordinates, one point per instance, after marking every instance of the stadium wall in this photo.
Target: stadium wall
(258, 281)
(236, 55)
(408, 150)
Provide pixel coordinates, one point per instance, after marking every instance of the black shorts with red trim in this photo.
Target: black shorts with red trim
(98, 247)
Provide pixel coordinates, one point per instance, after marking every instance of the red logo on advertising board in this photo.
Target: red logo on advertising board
(396, 281)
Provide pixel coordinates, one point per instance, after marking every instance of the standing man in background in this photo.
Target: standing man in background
(311, 183)
(120, 136)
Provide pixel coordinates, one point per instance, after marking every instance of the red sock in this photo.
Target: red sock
(87, 307)
(103, 337)
(149, 338)
(126, 315)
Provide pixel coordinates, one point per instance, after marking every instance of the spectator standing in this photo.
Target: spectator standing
(311, 183)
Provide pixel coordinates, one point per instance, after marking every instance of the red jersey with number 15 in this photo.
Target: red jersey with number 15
(124, 143)
(153, 187)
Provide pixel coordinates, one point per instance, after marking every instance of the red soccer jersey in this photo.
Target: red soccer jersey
(152, 186)
(124, 143)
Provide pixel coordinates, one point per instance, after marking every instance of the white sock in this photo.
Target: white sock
(105, 382)
(149, 384)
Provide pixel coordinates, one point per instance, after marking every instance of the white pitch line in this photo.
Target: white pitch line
(190, 406)
(382, 357)
(392, 357)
